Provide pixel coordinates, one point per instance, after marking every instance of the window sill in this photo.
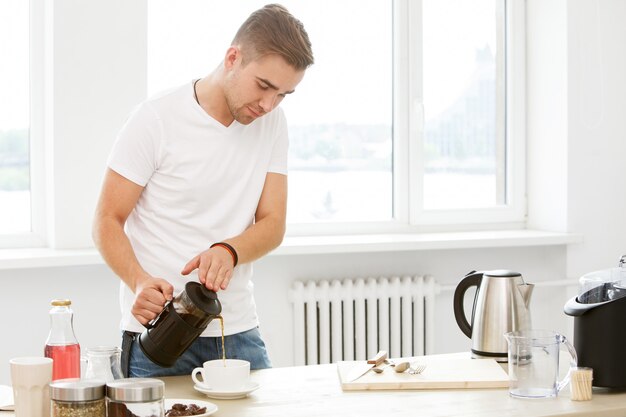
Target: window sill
(309, 245)
(26, 258)
(318, 245)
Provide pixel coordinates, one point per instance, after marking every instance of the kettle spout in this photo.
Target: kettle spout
(526, 290)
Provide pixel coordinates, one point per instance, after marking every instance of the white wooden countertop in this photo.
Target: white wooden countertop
(315, 391)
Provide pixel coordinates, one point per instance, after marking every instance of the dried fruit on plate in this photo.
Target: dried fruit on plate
(185, 410)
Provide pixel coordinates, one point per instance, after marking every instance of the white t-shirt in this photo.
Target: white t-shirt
(202, 183)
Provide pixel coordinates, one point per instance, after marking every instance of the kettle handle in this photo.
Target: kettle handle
(471, 279)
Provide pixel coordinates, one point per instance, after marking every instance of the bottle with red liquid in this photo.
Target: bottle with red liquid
(62, 346)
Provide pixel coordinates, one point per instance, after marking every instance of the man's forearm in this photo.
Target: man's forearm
(117, 252)
(259, 239)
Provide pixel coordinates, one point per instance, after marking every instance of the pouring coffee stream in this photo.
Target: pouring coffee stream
(221, 319)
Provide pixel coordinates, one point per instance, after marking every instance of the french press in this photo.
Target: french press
(180, 322)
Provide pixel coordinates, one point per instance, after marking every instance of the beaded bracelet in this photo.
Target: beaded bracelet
(230, 249)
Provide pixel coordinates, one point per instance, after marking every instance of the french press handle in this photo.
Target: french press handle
(152, 323)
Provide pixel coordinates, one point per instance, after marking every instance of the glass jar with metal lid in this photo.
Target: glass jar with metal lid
(135, 397)
(77, 398)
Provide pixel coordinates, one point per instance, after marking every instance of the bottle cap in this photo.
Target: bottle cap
(61, 303)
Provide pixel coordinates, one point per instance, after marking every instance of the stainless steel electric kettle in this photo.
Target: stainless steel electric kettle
(500, 306)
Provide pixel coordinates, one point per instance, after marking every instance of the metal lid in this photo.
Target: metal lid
(203, 298)
(74, 389)
(60, 303)
(607, 291)
(135, 389)
(502, 273)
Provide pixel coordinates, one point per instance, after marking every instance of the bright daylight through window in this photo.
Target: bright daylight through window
(348, 159)
(352, 158)
(15, 196)
(340, 118)
(463, 138)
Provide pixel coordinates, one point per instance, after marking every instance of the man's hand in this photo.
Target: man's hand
(215, 268)
(151, 294)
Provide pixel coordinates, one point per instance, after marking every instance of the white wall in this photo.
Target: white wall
(94, 290)
(275, 274)
(27, 294)
(546, 114)
(576, 137)
(98, 70)
(596, 132)
(576, 147)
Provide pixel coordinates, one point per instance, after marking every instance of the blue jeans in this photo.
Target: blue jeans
(246, 345)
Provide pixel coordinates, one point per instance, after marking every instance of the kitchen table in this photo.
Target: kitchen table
(315, 391)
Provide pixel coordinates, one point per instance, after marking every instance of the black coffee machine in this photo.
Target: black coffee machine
(598, 312)
(180, 322)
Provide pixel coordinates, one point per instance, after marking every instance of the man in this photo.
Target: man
(197, 181)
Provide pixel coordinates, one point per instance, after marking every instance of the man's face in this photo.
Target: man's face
(258, 87)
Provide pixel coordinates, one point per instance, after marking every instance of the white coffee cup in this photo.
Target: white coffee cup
(222, 376)
(30, 377)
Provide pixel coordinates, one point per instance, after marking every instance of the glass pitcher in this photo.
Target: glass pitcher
(534, 363)
(196, 305)
(103, 362)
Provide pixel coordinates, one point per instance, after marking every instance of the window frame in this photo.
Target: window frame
(407, 218)
(37, 62)
(511, 37)
(408, 120)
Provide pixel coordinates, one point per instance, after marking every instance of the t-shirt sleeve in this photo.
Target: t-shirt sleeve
(135, 153)
(280, 151)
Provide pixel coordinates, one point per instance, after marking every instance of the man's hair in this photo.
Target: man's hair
(273, 30)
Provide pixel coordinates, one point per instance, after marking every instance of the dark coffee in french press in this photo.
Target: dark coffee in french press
(180, 322)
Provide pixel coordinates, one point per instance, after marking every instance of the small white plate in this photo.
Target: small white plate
(210, 407)
(226, 395)
(6, 398)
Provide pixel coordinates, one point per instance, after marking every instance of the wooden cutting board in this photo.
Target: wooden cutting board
(447, 371)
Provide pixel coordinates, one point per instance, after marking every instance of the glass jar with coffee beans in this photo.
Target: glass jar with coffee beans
(135, 397)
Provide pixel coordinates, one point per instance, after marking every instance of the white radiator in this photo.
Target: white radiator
(353, 319)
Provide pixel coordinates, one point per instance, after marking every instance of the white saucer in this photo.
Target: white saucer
(226, 395)
(210, 407)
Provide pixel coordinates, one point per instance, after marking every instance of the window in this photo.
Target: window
(21, 123)
(15, 198)
(340, 119)
(407, 118)
(466, 64)
(461, 139)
